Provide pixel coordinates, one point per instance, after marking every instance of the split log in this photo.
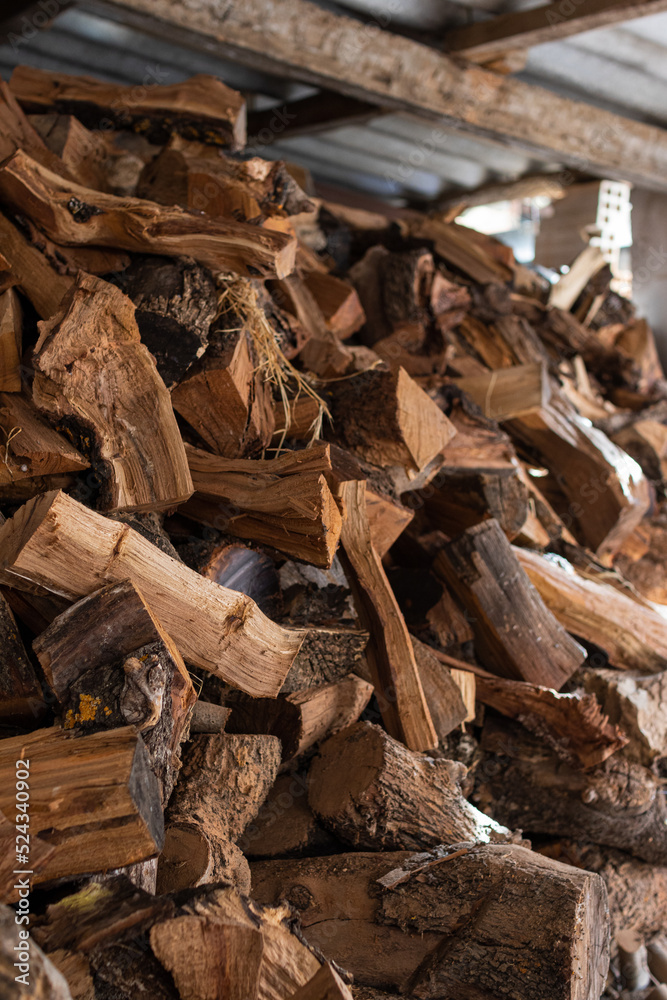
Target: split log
(199, 108)
(302, 718)
(21, 697)
(606, 489)
(40, 852)
(387, 520)
(110, 663)
(506, 392)
(285, 502)
(16, 132)
(441, 690)
(57, 545)
(636, 703)
(516, 635)
(32, 447)
(11, 332)
(322, 353)
(285, 825)
(460, 921)
(92, 372)
(94, 799)
(200, 178)
(222, 785)
(295, 421)
(390, 654)
(338, 302)
(633, 635)
(203, 937)
(225, 399)
(175, 302)
(574, 725)
(375, 794)
(618, 803)
(84, 153)
(386, 418)
(31, 271)
(480, 257)
(78, 216)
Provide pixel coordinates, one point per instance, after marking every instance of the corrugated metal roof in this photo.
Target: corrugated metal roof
(392, 156)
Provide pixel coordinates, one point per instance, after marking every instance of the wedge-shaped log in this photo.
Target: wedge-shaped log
(55, 544)
(607, 490)
(506, 392)
(391, 658)
(338, 302)
(93, 373)
(618, 803)
(631, 632)
(386, 418)
(302, 718)
(94, 799)
(515, 633)
(199, 108)
(110, 663)
(78, 216)
(31, 271)
(273, 501)
(224, 398)
(374, 793)
(32, 447)
(464, 920)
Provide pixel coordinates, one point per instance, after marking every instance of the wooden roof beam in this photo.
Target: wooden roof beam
(305, 42)
(488, 40)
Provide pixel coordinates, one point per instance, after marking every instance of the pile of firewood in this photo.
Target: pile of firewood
(332, 661)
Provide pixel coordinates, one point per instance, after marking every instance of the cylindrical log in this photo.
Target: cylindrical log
(373, 792)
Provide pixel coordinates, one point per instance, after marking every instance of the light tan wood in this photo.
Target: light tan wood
(633, 635)
(92, 369)
(387, 521)
(569, 287)
(57, 545)
(390, 654)
(78, 216)
(93, 798)
(84, 153)
(199, 107)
